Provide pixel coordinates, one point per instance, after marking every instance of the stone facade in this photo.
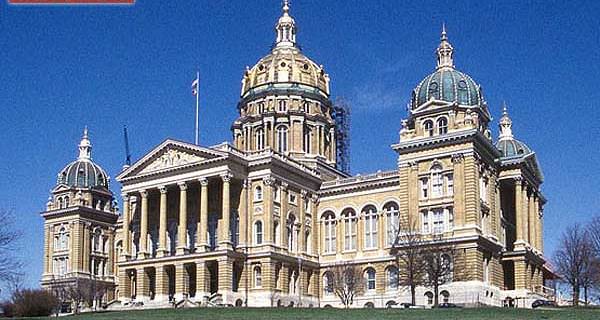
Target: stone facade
(259, 222)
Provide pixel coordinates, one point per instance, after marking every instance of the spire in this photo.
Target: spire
(285, 28)
(85, 146)
(445, 51)
(505, 124)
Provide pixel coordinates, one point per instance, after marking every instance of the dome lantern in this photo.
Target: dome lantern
(286, 28)
(445, 51)
(505, 125)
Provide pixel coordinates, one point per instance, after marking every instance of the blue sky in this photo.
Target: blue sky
(66, 67)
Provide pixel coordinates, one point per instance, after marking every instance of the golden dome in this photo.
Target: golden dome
(285, 66)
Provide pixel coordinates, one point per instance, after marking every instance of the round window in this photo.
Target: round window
(462, 84)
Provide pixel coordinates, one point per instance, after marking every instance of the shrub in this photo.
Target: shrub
(33, 303)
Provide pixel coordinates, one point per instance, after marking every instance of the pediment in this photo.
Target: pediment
(170, 155)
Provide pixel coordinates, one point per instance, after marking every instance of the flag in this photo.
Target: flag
(195, 84)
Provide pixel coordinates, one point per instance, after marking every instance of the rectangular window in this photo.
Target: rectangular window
(350, 235)
(483, 186)
(438, 221)
(424, 188)
(450, 185)
(425, 217)
(436, 184)
(292, 198)
(371, 231)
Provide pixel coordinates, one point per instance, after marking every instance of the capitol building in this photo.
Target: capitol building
(260, 221)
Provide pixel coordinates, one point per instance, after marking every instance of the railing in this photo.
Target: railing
(360, 178)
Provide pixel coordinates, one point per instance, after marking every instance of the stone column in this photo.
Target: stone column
(202, 280)
(126, 234)
(532, 221)
(181, 282)
(161, 284)
(142, 285)
(182, 227)
(283, 218)
(302, 237)
(225, 275)
(143, 253)
(225, 238)
(111, 257)
(268, 210)
(48, 246)
(525, 213)
(519, 211)
(243, 212)
(124, 285)
(316, 229)
(202, 245)
(162, 224)
(86, 248)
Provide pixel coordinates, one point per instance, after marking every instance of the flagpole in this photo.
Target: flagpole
(197, 104)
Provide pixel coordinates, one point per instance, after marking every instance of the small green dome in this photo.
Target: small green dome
(512, 147)
(450, 85)
(446, 83)
(83, 172)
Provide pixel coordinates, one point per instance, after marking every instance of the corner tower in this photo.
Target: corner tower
(79, 229)
(285, 104)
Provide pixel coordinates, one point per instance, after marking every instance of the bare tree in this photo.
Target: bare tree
(346, 281)
(408, 250)
(9, 266)
(437, 266)
(573, 259)
(594, 234)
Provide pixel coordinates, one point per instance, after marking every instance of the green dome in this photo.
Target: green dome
(449, 85)
(446, 83)
(83, 174)
(512, 147)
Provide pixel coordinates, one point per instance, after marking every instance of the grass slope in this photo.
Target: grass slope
(332, 314)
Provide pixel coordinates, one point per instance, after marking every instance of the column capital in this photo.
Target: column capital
(162, 189)
(245, 183)
(304, 194)
(182, 185)
(203, 181)
(144, 193)
(268, 181)
(284, 186)
(314, 198)
(458, 158)
(226, 177)
(518, 180)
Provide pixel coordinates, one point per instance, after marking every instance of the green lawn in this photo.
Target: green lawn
(314, 314)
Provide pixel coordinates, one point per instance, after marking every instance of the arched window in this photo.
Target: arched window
(429, 297)
(370, 214)
(437, 181)
(97, 237)
(393, 221)
(282, 106)
(442, 125)
(306, 140)
(257, 277)
(282, 139)
(259, 139)
(428, 126)
(261, 108)
(350, 220)
(291, 233)
(66, 201)
(60, 203)
(258, 232)
(329, 234)
(63, 239)
(258, 194)
(328, 283)
(392, 278)
(445, 296)
(277, 232)
(308, 242)
(370, 279)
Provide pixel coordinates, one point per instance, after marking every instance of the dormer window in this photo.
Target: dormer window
(428, 126)
(442, 124)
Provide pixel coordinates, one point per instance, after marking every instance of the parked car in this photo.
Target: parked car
(543, 303)
(447, 305)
